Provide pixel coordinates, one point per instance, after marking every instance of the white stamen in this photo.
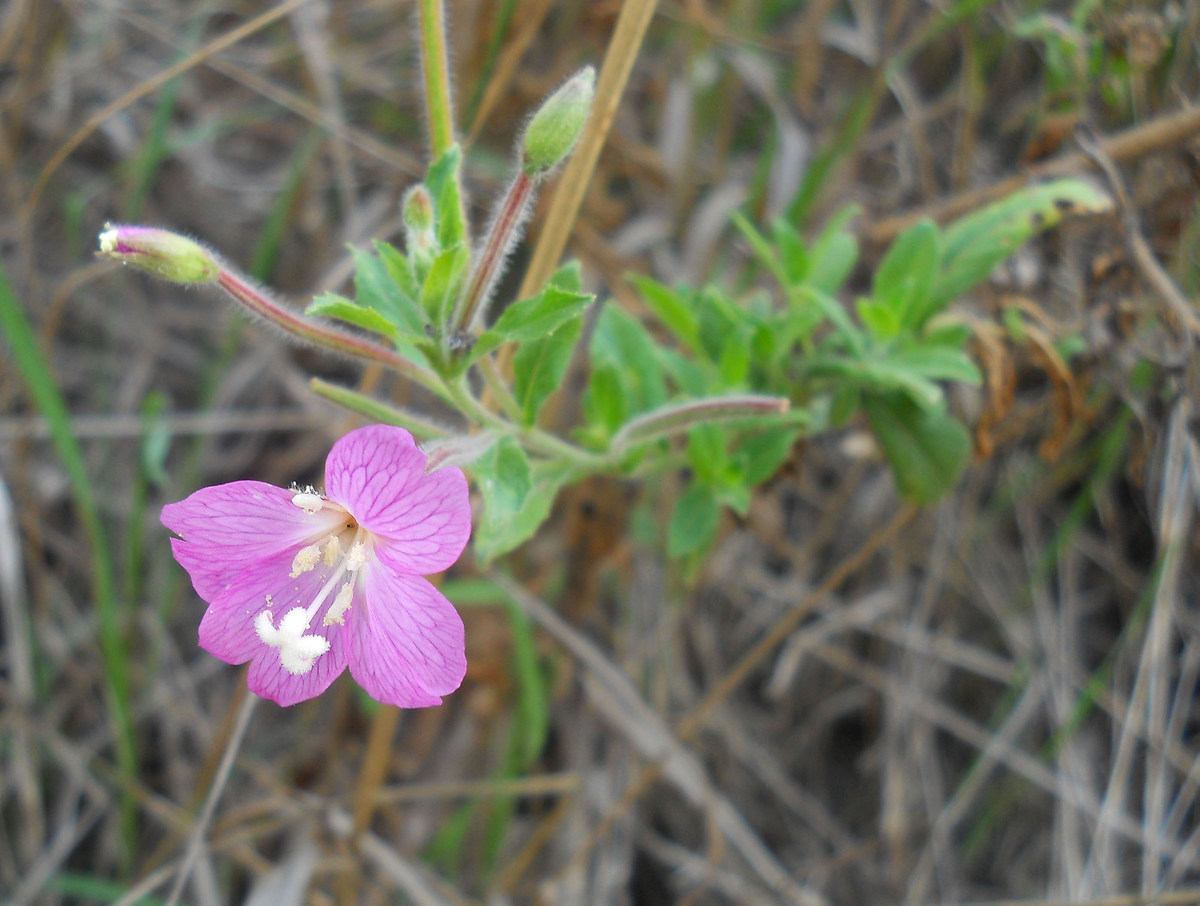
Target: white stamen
(357, 557)
(308, 501)
(306, 559)
(333, 550)
(340, 605)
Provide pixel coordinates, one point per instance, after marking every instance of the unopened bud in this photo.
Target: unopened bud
(159, 252)
(417, 209)
(419, 236)
(555, 128)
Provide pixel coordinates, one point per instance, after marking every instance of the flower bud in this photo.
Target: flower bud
(417, 213)
(159, 252)
(417, 209)
(555, 128)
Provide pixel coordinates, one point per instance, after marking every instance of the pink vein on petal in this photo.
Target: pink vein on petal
(407, 648)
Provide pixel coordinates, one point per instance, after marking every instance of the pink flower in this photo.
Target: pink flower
(303, 585)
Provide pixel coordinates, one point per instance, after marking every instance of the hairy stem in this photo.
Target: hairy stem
(257, 301)
(437, 77)
(506, 227)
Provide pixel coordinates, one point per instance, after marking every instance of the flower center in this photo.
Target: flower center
(342, 552)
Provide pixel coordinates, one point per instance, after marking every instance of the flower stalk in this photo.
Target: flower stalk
(506, 229)
(677, 419)
(182, 260)
(377, 411)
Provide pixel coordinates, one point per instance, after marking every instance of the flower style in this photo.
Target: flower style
(304, 585)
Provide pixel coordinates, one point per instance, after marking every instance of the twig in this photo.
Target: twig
(1164, 132)
(196, 840)
(1179, 309)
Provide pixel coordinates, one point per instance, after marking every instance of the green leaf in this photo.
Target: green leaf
(808, 296)
(793, 255)
(504, 480)
(939, 363)
(603, 402)
(907, 272)
(400, 269)
(376, 289)
(492, 540)
(331, 305)
(878, 317)
(539, 366)
(694, 522)
(443, 184)
(926, 448)
(879, 375)
(540, 315)
(974, 245)
(669, 308)
(441, 286)
(689, 376)
(622, 343)
(568, 277)
(707, 453)
(718, 318)
(834, 253)
(734, 365)
(760, 455)
(761, 246)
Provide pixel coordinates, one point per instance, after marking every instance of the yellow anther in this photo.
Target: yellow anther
(333, 550)
(340, 605)
(306, 559)
(308, 501)
(357, 556)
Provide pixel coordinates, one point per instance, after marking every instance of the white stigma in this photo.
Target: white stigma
(297, 651)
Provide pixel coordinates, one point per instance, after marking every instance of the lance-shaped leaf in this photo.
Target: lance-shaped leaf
(533, 318)
(926, 447)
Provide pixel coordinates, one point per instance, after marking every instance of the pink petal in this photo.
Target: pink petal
(405, 640)
(225, 527)
(227, 628)
(423, 521)
(269, 679)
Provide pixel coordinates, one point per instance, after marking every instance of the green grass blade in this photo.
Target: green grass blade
(39, 379)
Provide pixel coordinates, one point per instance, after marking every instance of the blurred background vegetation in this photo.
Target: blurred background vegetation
(849, 700)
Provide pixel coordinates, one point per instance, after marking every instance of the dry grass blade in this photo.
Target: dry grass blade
(611, 691)
(149, 86)
(568, 196)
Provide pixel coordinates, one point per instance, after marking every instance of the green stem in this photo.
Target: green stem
(437, 78)
(495, 383)
(376, 410)
(533, 439)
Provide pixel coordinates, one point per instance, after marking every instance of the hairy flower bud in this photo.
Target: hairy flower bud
(417, 213)
(555, 128)
(159, 252)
